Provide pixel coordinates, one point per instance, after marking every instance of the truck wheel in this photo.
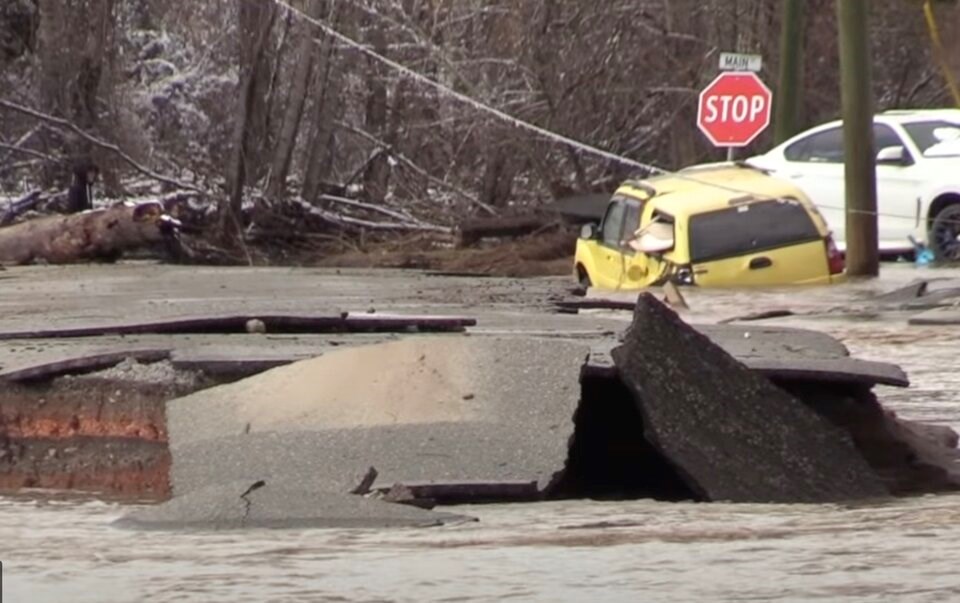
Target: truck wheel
(945, 234)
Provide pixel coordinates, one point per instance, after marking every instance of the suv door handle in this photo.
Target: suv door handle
(760, 263)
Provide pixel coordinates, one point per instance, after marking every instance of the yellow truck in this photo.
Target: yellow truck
(724, 225)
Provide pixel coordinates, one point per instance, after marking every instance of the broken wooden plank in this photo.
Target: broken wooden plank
(758, 316)
(345, 323)
(365, 322)
(401, 495)
(82, 364)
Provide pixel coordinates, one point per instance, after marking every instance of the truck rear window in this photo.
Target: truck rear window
(746, 229)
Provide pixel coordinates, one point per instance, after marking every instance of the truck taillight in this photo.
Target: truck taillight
(835, 259)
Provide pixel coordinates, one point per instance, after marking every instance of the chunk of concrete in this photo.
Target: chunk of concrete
(732, 435)
(242, 505)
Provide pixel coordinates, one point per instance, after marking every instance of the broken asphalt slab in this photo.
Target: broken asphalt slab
(945, 317)
(262, 504)
(457, 408)
(731, 434)
(782, 353)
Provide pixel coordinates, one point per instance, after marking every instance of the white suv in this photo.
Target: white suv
(918, 177)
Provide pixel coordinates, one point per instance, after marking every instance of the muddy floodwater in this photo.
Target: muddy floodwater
(64, 549)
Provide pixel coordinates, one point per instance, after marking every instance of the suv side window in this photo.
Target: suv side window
(631, 223)
(613, 224)
(822, 147)
(746, 229)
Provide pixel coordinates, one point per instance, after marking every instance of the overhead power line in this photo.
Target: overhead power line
(525, 125)
(467, 100)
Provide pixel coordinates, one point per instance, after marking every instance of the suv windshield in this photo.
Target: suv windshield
(936, 138)
(745, 229)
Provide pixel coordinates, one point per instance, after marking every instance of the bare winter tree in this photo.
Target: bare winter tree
(244, 96)
(256, 21)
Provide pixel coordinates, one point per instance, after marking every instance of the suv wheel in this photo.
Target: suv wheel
(945, 234)
(583, 278)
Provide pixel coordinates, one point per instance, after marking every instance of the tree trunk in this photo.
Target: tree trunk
(320, 152)
(290, 128)
(376, 179)
(256, 22)
(74, 61)
(94, 235)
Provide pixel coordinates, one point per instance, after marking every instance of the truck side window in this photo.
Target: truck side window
(613, 224)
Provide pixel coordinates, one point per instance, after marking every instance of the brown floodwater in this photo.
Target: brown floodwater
(64, 549)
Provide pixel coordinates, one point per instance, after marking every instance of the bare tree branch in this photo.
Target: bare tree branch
(19, 143)
(109, 146)
(342, 220)
(416, 168)
(370, 207)
(15, 149)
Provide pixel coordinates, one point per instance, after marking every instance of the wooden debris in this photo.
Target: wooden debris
(673, 297)
(345, 323)
(402, 495)
(363, 488)
(472, 231)
(82, 364)
(757, 316)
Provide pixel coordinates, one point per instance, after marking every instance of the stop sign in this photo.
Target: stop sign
(734, 109)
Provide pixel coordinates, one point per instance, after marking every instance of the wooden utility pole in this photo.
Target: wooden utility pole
(790, 86)
(863, 258)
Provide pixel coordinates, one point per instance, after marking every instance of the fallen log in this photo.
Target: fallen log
(511, 226)
(94, 235)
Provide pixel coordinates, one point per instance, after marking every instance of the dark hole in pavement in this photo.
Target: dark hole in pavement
(609, 457)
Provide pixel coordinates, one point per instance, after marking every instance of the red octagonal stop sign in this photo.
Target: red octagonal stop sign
(734, 109)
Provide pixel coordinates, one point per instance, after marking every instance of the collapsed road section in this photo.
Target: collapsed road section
(673, 416)
(104, 432)
(669, 411)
